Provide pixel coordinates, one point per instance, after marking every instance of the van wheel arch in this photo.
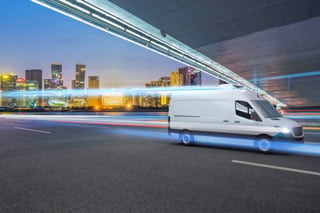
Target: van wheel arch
(186, 137)
(263, 143)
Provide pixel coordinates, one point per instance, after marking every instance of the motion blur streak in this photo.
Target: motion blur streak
(148, 134)
(282, 147)
(112, 124)
(156, 131)
(303, 117)
(227, 142)
(95, 92)
(302, 110)
(311, 128)
(289, 76)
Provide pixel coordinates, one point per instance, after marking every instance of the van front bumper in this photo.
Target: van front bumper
(281, 137)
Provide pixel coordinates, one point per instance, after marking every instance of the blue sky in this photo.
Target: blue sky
(33, 37)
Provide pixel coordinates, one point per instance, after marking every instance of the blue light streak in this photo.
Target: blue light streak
(228, 142)
(301, 117)
(115, 92)
(305, 74)
(307, 148)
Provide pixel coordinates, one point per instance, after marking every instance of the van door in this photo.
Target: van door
(246, 120)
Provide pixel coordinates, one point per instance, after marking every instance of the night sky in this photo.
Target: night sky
(33, 37)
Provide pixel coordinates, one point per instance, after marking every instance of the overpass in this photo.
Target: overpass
(267, 46)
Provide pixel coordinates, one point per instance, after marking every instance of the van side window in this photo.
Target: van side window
(243, 109)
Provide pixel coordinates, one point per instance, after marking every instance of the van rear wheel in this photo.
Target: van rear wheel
(186, 137)
(263, 144)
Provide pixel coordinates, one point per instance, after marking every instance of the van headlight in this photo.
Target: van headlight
(285, 130)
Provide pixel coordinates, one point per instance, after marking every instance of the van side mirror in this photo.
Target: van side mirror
(254, 116)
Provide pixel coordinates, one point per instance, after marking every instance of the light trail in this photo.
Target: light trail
(113, 124)
(308, 148)
(301, 113)
(111, 92)
(311, 128)
(302, 110)
(298, 75)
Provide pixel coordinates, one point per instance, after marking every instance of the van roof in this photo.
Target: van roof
(219, 92)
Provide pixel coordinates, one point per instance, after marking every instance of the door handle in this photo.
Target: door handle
(225, 121)
(237, 122)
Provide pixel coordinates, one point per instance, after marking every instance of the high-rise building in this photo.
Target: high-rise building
(93, 82)
(165, 81)
(80, 76)
(185, 76)
(176, 79)
(162, 82)
(56, 72)
(48, 84)
(73, 84)
(8, 82)
(160, 99)
(185, 72)
(35, 75)
(21, 84)
(27, 99)
(94, 101)
(195, 78)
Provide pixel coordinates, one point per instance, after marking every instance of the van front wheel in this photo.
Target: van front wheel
(186, 137)
(263, 144)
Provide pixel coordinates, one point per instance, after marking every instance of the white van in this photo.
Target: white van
(231, 111)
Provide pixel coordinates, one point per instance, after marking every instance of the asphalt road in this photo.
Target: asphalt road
(48, 166)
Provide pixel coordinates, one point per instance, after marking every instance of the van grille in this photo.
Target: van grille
(297, 131)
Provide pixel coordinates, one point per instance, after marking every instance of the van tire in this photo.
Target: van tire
(186, 137)
(263, 144)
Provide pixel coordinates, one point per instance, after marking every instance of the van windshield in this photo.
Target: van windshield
(266, 109)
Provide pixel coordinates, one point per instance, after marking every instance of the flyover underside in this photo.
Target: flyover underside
(110, 18)
(257, 40)
(266, 42)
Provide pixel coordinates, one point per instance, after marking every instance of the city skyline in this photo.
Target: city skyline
(50, 37)
(186, 76)
(25, 93)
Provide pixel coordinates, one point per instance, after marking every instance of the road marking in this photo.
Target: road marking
(32, 130)
(276, 167)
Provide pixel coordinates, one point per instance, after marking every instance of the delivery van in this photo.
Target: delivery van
(229, 110)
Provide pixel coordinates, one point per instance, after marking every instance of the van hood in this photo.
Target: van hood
(283, 122)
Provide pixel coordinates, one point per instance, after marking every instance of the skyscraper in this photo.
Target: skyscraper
(56, 72)
(176, 79)
(195, 78)
(8, 82)
(93, 82)
(189, 76)
(24, 99)
(47, 84)
(94, 101)
(80, 76)
(185, 72)
(35, 75)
